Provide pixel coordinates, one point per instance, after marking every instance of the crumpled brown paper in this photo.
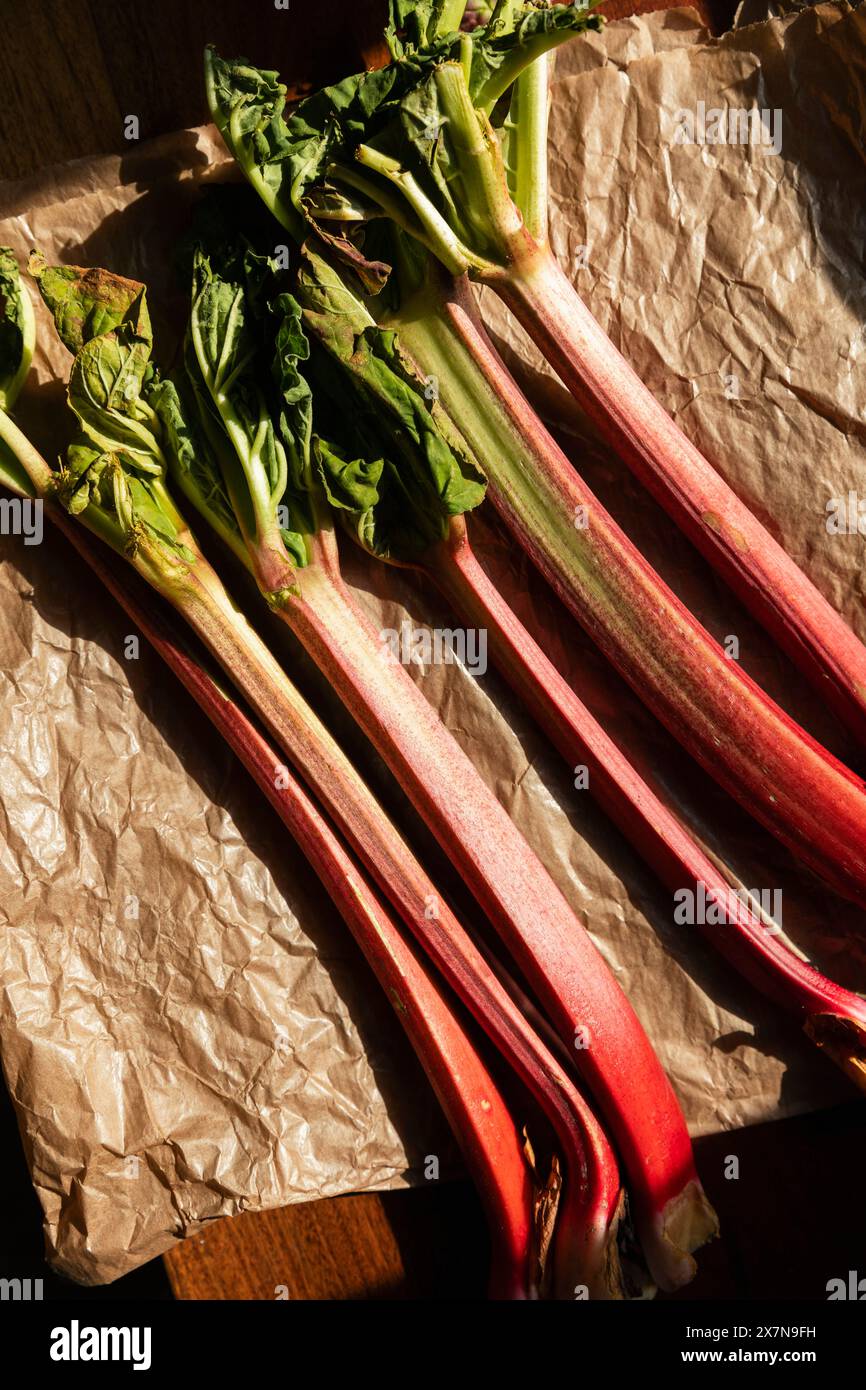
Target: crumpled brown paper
(186, 1030)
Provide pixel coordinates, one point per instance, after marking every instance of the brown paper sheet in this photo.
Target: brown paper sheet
(186, 1030)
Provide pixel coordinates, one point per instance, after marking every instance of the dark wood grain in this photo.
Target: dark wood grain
(419, 1244)
(788, 1228)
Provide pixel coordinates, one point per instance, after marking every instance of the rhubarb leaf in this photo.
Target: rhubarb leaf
(116, 464)
(17, 330)
(229, 356)
(422, 477)
(262, 400)
(515, 37)
(416, 24)
(105, 388)
(88, 303)
(103, 318)
(296, 402)
(280, 158)
(304, 164)
(192, 445)
(112, 482)
(79, 483)
(351, 485)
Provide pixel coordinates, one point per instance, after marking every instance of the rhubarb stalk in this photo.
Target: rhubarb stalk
(704, 506)
(780, 774)
(504, 244)
(832, 1017)
(369, 375)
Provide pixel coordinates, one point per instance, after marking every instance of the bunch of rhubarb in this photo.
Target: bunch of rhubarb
(461, 1078)
(300, 417)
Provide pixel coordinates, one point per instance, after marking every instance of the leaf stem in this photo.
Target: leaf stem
(438, 235)
(528, 140)
(36, 469)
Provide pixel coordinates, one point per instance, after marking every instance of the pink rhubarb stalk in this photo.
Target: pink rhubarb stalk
(833, 1017)
(704, 506)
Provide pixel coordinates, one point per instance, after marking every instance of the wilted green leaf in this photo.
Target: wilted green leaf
(423, 478)
(304, 164)
(351, 484)
(105, 387)
(116, 464)
(88, 303)
(80, 482)
(418, 23)
(103, 319)
(261, 399)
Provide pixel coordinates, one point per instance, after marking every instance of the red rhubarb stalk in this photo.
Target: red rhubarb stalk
(590, 1210)
(833, 1017)
(556, 956)
(808, 799)
(704, 506)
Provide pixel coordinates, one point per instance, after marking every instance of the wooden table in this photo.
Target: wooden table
(70, 74)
